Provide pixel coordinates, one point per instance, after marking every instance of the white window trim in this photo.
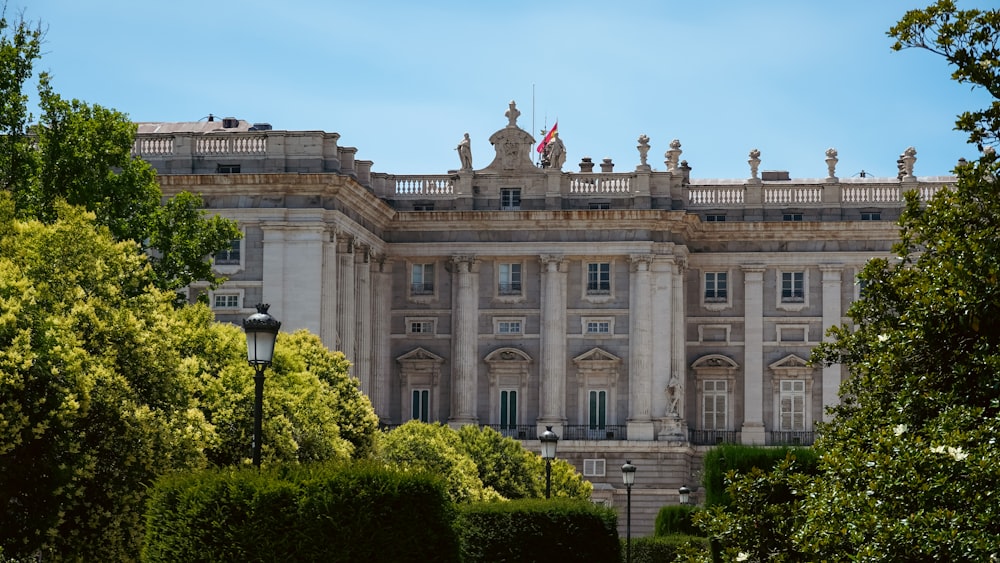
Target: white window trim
(498, 320)
(598, 297)
(230, 269)
(584, 321)
(729, 399)
(239, 308)
(792, 305)
(509, 297)
(790, 327)
(806, 405)
(410, 320)
(422, 297)
(718, 305)
(596, 467)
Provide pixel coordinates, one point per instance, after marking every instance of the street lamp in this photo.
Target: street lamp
(262, 330)
(628, 477)
(685, 494)
(549, 441)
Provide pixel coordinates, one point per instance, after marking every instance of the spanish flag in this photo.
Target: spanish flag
(548, 137)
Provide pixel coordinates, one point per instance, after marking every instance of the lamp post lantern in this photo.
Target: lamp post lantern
(628, 477)
(261, 330)
(685, 494)
(549, 440)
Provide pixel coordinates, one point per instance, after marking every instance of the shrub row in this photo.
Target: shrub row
(722, 459)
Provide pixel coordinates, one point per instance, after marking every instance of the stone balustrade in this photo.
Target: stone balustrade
(584, 184)
(439, 186)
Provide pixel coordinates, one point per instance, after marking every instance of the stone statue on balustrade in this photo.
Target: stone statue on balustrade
(643, 148)
(512, 114)
(754, 163)
(555, 153)
(464, 149)
(831, 163)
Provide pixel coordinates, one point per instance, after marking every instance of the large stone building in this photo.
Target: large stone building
(643, 314)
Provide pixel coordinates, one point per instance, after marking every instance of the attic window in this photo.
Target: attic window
(227, 169)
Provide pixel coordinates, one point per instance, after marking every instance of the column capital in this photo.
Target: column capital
(641, 262)
(552, 262)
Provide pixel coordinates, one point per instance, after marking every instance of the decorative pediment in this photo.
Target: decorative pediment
(508, 355)
(714, 361)
(791, 366)
(595, 356)
(419, 366)
(420, 355)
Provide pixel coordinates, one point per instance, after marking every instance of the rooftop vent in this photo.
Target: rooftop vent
(774, 175)
(230, 123)
(261, 127)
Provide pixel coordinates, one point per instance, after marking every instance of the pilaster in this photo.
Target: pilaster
(552, 391)
(753, 355)
(640, 423)
(465, 335)
(831, 317)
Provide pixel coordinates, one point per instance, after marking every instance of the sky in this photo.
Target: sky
(402, 81)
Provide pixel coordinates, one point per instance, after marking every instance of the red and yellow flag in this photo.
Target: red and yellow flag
(548, 137)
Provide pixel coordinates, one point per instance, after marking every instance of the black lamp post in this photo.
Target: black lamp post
(549, 441)
(685, 494)
(262, 330)
(628, 477)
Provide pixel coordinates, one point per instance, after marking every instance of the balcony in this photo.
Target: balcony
(712, 437)
(516, 431)
(789, 438)
(586, 432)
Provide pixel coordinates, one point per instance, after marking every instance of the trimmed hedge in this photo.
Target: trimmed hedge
(560, 530)
(722, 459)
(328, 512)
(666, 549)
(676, 519)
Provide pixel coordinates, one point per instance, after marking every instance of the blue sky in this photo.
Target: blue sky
(403, 80)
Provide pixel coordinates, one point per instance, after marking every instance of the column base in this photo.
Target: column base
(640, 430)
(458, 422)
(752, 434)
(673, 429)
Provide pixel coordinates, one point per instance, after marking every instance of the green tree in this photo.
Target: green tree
(82, 154)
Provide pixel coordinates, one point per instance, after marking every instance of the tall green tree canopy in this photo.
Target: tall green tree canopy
(82, 154)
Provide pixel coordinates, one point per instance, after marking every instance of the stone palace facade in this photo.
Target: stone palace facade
(643, 314)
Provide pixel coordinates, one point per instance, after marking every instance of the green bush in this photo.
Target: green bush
(538, 530)
(672, 520)
(667, 549)
(722, 459)
(333, 513)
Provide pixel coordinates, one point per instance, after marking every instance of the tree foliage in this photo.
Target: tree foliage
(81, 153)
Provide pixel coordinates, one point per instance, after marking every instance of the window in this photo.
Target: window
(599, 278)
(599, 205)
(791, 217)
(598, 327)
(793, 287)
(594, 467)
(792, 404)
(508, 409)
(509, 280)
(598, 410)
(508, 326)
(229, 256)
(871, 216)
(714, 403)
(422, 279)
(227, 301)
(715, 218)
(227, 169)
(510, 199)
(423, 206)
(419, 326)
(716, 286)
(421, 405)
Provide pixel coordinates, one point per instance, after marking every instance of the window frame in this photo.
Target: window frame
(421, 404)
(791, 302)
(586, 322)
(424, 322)
(510, 199)
(499, 322)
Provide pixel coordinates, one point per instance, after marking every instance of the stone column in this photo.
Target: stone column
(363, 317)
(663, 322)
(675, 425)
(753, 355)
(382, 366)
(552, 391)
(831, 317)
(640, 365)
(464, 340)
(346, 323)
(328, 307)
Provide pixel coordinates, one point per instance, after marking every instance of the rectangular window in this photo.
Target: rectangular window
(509, 327)
(510, 199)
(599, 205)
(227, 301)
(421, 327)
(715, 218)
(599, 278)
(793, 287)
(716, 286)
(422, 279)
(792, 401)
(509, 281)
(598, 413)
(791, 217)
(423, 206)
(714, 403)
(594, 467)
(508, 409)
(229, 256)
(598, 327)
(421, 405)
(871, 216)
(227, 169)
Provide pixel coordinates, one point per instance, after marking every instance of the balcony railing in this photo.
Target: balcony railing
(789, 438)
(516, 431)
(712, 437)
(586, 432)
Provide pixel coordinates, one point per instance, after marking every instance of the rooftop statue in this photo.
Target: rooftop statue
(464, 149)
(512, 114)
